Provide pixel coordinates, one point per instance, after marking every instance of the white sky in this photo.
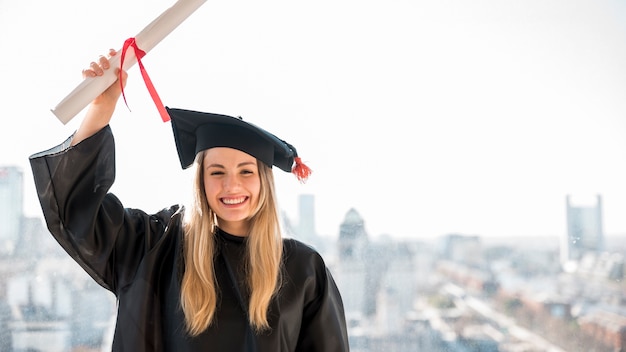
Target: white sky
(428, 117)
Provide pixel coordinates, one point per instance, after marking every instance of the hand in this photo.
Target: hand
(110, 96)
(102, 107)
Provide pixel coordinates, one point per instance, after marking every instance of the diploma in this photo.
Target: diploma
(147, 39)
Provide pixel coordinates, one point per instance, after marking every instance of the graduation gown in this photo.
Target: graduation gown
(138, 257)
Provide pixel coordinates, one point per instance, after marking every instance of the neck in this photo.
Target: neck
(239, 228)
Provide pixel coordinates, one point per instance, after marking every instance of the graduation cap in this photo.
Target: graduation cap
(195, 131)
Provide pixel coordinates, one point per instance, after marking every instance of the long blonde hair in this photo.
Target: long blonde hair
(199, 288)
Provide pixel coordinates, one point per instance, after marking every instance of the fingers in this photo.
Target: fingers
(97, 68)
(103, 62)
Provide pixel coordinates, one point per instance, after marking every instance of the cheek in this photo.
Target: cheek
(254, 187)
(210, 189)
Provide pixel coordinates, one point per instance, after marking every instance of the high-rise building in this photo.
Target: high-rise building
(466, 249)
(306, 214)
(305, 229)
(11, 211)
(353, 239)
(352, 273)
(584, 230)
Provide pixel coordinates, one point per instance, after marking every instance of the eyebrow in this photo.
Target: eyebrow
(245, 163)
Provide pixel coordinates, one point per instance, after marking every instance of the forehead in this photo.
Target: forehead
(226, 156)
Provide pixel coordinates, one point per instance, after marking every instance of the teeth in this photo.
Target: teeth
(231, 201)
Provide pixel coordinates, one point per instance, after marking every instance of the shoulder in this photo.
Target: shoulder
(173, 212)
(306, 273)
(302, 258)
(293, 247)
(165, 215)
(165, 221)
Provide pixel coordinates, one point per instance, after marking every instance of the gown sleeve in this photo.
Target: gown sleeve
(105, 239)
(323, 321)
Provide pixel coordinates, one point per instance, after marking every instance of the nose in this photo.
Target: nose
(231, 181)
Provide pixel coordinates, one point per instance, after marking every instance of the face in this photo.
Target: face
(232, 185)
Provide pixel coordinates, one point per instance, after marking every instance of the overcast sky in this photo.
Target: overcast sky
(427, 117)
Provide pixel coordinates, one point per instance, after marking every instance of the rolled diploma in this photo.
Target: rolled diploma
(147, 39)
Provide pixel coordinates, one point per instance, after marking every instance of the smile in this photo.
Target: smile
(234, 201)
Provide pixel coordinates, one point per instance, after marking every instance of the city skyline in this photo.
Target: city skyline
(403, 293)
(428, 118)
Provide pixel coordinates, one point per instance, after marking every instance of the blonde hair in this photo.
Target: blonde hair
(199, 288)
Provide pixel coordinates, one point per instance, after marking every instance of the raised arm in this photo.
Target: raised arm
(101, 109)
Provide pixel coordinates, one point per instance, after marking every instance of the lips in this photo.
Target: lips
(234, 200)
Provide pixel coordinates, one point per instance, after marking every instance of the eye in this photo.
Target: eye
(216, 173)
(247, 172)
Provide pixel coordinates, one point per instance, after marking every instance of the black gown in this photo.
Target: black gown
(138, 257)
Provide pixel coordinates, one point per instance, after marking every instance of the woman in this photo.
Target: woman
(215, 277)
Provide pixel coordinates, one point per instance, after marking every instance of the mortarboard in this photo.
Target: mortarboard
(195, 131)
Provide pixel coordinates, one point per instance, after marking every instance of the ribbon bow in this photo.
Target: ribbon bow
(130, 42)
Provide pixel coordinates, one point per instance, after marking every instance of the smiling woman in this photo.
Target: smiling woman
(218, 275)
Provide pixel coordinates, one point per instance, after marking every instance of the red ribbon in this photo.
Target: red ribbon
(130, 42)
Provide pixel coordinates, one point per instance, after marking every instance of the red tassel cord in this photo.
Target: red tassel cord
(301, 171)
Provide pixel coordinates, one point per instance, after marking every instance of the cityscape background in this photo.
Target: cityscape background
(455, 292)
(468, 157)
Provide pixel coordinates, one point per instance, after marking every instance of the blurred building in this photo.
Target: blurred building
(352, 272)
(462, 249)
(306, 212)
(584, 230)
(47, 302)
(306, 230)
(378, 280)
(609, 327)
(11, 200)
(397, 285)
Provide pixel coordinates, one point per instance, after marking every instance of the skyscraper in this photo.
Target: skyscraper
(305, 228)
(352, 273)
(11, 198)
(584, 230)
(306, 224)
